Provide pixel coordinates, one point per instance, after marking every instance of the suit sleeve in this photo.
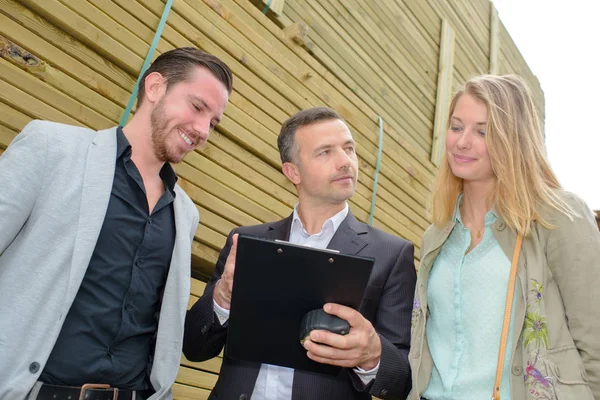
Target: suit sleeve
(204, 337)
(573, 254)
(393, 380)
(22, 168)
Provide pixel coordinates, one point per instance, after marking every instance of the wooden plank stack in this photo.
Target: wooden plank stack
(76, 62)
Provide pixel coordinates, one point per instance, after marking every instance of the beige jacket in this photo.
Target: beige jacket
(556, 339)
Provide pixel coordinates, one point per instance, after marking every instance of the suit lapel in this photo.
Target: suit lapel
(347, 238)
(279, 230)
(98, 177)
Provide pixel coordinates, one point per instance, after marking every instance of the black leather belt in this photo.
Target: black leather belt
(89, 391)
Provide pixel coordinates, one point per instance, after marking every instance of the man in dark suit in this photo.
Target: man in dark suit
(318, 156)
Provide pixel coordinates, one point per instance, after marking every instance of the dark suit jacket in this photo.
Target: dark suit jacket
(387, 304)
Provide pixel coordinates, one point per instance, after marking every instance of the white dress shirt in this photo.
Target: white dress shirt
(275, 382)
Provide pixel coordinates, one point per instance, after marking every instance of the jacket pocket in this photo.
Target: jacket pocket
(568, 374)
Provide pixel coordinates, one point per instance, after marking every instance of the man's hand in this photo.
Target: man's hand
(223, 287)
(360, 348)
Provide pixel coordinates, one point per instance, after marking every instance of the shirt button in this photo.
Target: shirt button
(243, 397)
(34, 367)
(517, 370)
(501, 226)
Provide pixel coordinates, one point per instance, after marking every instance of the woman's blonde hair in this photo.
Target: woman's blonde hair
(515, 142)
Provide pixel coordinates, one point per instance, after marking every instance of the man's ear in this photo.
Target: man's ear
(155, 87)
(292, 171)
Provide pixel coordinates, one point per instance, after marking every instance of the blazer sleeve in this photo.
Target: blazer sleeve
(393, 380)
(573, 254)
(204, 337)
(22, 168)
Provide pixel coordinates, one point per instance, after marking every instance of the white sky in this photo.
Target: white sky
(560, 42)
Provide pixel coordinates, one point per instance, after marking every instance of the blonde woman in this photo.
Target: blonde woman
(495, 183)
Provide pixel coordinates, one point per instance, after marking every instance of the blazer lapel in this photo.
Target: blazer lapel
(175, 299)
(279, 230)
(96, 187)
(347, 239)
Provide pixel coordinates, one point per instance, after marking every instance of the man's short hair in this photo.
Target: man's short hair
(286, 139)
(176, 65)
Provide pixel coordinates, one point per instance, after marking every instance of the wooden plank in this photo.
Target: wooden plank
(284, 193)
(211, 202)
(206, 235)
(42, 91)
(213, 365)
(422, 12)
(396, 21)
(204, 259)
(112, 27)
(494, 41)
(6, 135)
(224, 193)
(36, 108)
(197, 287)
(196, 378)
(76, 60)
(444, 92)
(214, 221)
(13, 118)
(67, 20)
(184, 392)
(356, 60)
(390, 49)
(212, 169)
(477, 27)
(130, 22)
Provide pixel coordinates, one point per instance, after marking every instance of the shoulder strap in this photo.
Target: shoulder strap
(507, 312)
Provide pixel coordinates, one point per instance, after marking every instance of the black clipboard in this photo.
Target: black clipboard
(275, 284)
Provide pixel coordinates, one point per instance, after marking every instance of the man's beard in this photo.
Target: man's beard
(159, 134)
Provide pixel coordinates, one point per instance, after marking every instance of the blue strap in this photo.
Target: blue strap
(266, 9)
(376, 179)
(151, 50)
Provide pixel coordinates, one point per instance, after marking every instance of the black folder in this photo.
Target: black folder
(275, 284)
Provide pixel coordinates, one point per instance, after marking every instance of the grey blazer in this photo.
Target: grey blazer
(55, 184)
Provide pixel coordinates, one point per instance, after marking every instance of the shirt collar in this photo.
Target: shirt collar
(333, 222)
(490, 216)
(167, 174)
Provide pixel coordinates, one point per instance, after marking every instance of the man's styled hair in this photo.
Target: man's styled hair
(286, 139)
(176, 65)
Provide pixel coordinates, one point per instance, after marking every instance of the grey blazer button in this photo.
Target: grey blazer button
(243, 397)
(384, 392)
(517, 370)
(34, 367)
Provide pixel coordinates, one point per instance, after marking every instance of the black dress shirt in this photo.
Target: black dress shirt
(108, 335)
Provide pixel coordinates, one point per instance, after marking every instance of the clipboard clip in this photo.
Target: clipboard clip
(303, 245)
